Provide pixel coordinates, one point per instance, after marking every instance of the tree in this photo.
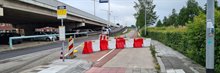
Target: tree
(159, 23)
(182, 18)
(188, 13)
(133, 26)
(140, 7)
(165, 21)
(172, 19)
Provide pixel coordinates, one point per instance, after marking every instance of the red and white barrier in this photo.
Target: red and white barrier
(87, 47)
(120, 43)
(138, 42)
(105, 43)
(71, 46)
(112, 43)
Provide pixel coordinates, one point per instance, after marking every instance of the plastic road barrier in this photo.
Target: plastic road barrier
(103, 45)
(120, 43)
(87, 47)
(138, 42)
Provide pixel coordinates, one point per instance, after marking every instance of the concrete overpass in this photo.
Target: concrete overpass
(31, 14)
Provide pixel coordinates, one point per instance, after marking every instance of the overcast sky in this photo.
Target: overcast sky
(122, 10)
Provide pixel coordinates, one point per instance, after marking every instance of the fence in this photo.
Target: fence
(39, 36)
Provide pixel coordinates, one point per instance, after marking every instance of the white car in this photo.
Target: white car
(105, 31)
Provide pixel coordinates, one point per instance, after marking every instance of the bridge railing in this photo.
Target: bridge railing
(39, 36)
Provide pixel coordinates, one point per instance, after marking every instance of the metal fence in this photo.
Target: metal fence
(39, 36)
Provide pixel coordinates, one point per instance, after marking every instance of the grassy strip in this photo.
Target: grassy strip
(121, 33)
(153, 52)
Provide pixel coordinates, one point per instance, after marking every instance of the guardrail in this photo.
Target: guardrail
(39, 36)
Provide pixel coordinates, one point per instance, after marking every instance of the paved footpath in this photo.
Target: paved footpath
(128, 60)
(172, 61)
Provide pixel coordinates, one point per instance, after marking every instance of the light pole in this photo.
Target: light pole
(94, 7)
(145, 21)
(109, 13)
(210, 37)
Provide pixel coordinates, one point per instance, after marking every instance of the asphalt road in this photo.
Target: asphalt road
(19, 52)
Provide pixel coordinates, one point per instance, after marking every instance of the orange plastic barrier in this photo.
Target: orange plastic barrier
(103, 45)
(87, 47)
(138, 42)
(120, 43)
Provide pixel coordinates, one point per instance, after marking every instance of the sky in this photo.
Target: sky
(122, 10)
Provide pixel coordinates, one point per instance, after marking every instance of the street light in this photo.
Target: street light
(94, 7)
(109, 14)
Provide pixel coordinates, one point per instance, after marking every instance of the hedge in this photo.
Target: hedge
(190, 39)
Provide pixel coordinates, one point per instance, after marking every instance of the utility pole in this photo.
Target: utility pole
(210, 37)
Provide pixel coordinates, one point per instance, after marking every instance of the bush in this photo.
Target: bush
(189, 40)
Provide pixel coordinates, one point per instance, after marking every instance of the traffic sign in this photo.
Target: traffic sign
(61, 12)
(62, 36)
(1, 12)
(103, 1)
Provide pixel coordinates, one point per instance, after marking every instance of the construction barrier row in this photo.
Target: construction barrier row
(104, 43)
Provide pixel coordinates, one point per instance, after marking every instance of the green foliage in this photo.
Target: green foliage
(186, 14)
(172, 19)
(189, 40)
(159, 23)
(140, 7)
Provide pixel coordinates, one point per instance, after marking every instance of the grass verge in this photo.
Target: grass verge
(121, 33)
(153, 52)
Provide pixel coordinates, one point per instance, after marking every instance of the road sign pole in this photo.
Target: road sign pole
(210, 37)
(62, 43)
(62, 14)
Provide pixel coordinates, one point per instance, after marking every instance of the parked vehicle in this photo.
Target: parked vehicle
(90, 30)
(56, 37)
(82, 31)
(4, 37)
(73, 31)
(105, 31)
(50, 36)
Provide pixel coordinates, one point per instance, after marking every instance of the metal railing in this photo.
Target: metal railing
(39, 36)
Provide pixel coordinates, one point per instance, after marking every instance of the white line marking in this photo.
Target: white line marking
(195, 71)
(105, 55)
(175, 71)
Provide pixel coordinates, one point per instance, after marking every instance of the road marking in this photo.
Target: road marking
(105, 55)
(175, 71)
(195, 71)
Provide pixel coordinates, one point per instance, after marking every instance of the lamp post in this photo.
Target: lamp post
(94, 7)
(109, 13)
(145, 21)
